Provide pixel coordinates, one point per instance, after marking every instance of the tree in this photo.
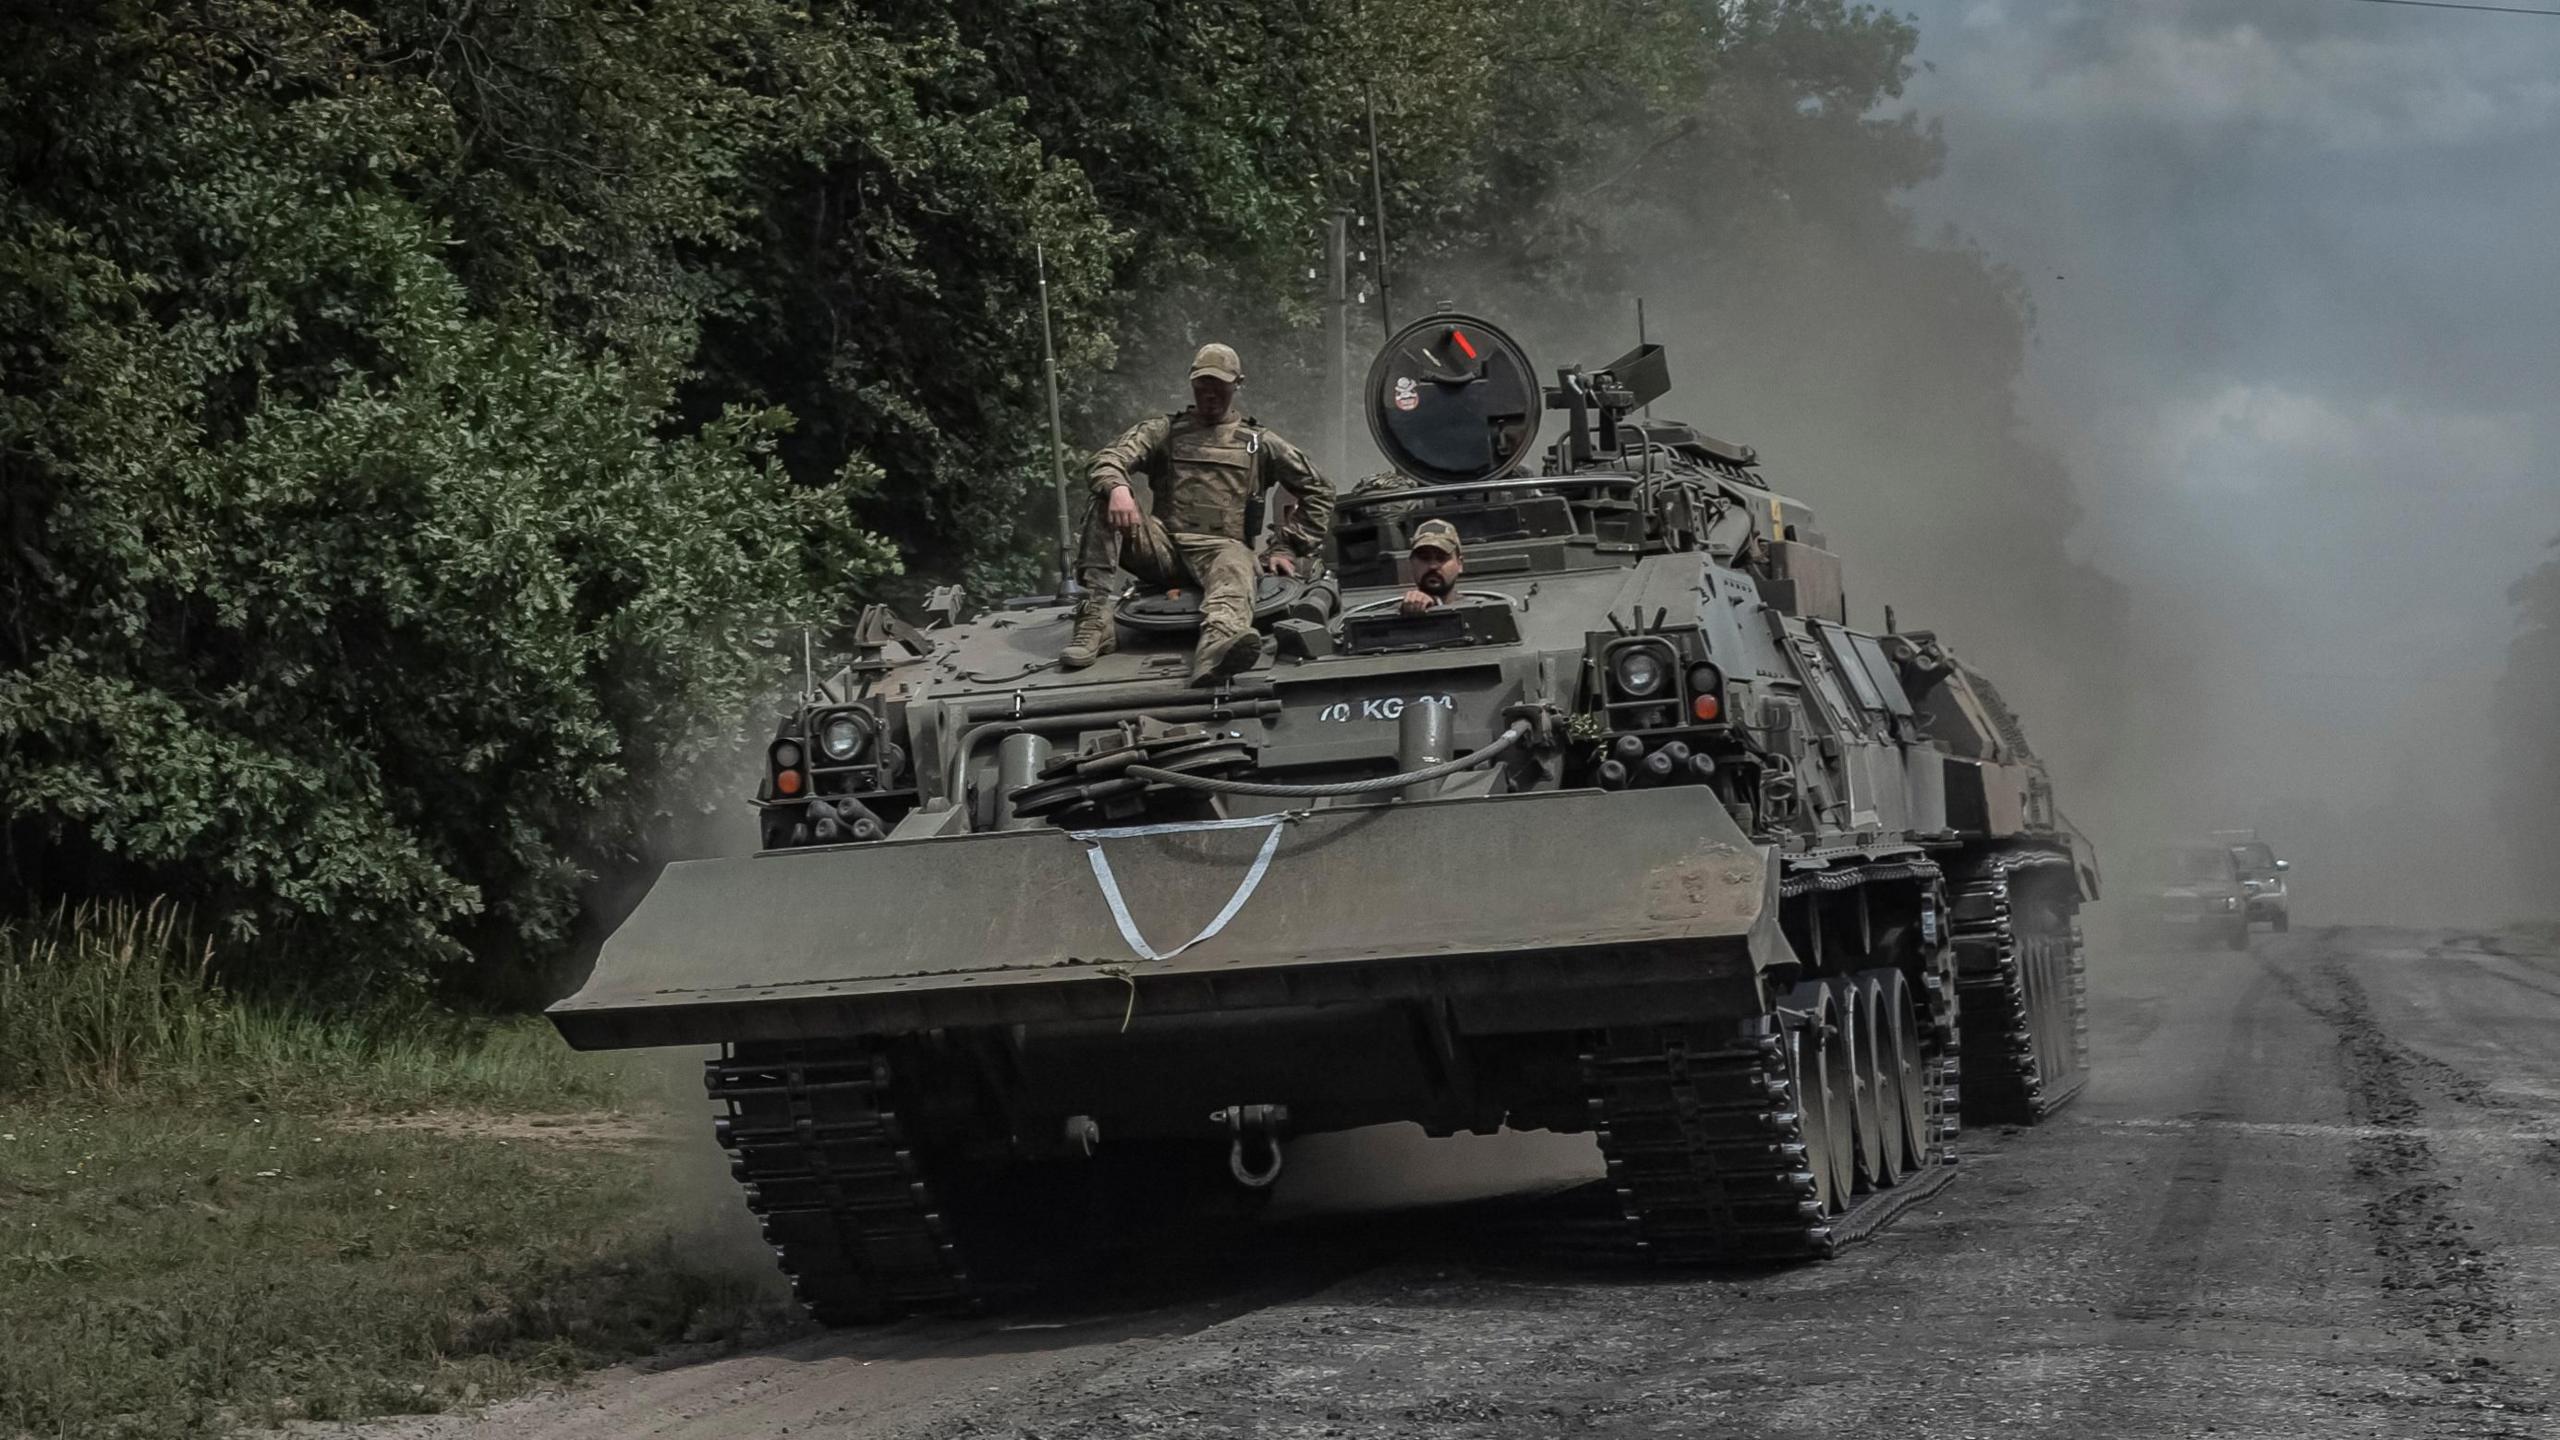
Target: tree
(364, 611)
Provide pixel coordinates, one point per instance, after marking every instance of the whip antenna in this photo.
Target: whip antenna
(1057, 430)
(1640, 343)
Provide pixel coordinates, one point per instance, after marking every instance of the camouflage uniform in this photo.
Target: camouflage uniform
(1388, 484)
(1199, 477)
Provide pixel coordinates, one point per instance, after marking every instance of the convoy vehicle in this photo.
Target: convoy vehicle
(2261, 877)
(1643, 836)
(2194, 895)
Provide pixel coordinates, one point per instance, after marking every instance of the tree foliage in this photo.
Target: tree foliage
(413, 411)
(339, 598)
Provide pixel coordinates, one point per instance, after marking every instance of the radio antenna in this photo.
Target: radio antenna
(1640, 340)
(1652, 494)
(1057, 430)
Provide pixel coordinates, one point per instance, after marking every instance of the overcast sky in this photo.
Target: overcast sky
(2298, 330)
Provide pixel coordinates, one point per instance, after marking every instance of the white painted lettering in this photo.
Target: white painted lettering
(1382, 707)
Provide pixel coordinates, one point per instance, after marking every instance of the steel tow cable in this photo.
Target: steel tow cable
(1216, 786)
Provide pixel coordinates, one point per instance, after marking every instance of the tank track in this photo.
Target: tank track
(1706, 1151)
(813, 1135)
(2023, 996)
(1707, 1157)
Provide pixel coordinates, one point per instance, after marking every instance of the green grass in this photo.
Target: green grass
(212, 1213)
(108, 1001)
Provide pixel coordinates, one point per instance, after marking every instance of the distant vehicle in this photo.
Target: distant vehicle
(2261, 876)
(2195, 893)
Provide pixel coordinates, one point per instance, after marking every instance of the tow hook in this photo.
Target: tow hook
(1261, 1124)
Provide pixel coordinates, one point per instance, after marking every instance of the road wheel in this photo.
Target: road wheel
(1897, 1073)
(1816, 1065)
(1865, 1085)
(2238, 939)
(2284, 921)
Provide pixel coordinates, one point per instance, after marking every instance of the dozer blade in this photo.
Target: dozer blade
(1518, 902)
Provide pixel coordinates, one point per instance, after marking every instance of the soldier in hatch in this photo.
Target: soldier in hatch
(1201, 466)
(1436, 567)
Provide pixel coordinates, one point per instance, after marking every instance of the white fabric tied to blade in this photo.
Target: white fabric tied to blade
(1110, 884)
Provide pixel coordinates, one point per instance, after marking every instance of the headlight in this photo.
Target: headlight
(2230, 902)
(786, 756)
(844, 737)
(1640, 671)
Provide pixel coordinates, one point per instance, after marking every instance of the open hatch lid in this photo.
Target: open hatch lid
(1453, 400)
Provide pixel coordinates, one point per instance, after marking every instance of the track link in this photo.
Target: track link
(1707, 1154)
(814, 1136)
(1705, 1149)
(2022, 983)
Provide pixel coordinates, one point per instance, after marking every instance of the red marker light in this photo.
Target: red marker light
(1461, 337)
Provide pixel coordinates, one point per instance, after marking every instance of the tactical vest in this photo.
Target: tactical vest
(1207, 476)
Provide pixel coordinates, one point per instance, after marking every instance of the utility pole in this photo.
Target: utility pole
(1337, 349)
(1378, 205)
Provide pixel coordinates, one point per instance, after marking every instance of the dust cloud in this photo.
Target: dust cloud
(2528, 754)
(2292, 320)
(705, 1207)
(710, 816)
(2158, 654)
(2163, 405)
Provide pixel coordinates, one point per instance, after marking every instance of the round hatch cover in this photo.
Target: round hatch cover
(1452, 399)
(1171, 610)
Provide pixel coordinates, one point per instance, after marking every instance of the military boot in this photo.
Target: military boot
(1095, 636)
(1222, 655)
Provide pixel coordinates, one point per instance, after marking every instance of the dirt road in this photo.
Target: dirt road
(2308, 1193)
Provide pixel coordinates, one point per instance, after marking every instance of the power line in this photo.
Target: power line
(2457, 5)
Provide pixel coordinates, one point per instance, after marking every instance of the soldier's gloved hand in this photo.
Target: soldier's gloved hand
(1121, 509)
(1415, 602)
(1279, 562)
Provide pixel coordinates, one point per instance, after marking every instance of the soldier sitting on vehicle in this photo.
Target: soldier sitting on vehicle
(1437, 565)
(1202, 465)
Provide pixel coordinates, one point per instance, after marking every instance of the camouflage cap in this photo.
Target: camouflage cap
(1218, 361)
(1437, 535)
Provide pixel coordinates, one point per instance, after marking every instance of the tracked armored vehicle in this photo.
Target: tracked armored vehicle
(1639, 835)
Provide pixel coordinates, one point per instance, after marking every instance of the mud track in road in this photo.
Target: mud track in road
(2456, 1287)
